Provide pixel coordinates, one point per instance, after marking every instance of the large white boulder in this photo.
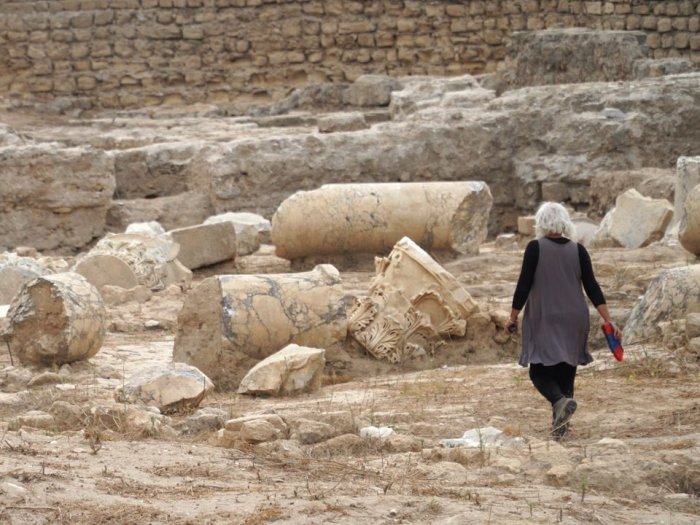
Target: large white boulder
(371, 90)
(637, 220)
(293, 369)
(673, 294)
(169, 387)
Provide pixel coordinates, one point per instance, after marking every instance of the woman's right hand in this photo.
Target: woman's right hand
(511, 327)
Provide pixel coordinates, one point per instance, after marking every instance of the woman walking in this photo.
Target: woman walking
(556, 322)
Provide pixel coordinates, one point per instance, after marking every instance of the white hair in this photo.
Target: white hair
(552, 218)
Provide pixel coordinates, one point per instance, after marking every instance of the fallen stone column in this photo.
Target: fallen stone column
(153, 261)
(56, 319)
(371, 218)
(230, 322)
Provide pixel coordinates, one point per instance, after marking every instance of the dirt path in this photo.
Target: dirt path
(632, 457)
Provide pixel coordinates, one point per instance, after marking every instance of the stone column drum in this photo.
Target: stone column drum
(56, 319)
(230, 322)
(371, 218)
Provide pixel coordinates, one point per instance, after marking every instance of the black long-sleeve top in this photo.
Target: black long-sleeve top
(527, 274)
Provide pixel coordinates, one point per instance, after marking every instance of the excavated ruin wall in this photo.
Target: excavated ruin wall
(128, 53)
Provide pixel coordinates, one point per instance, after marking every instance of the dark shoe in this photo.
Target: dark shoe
(560, 433)
(563, 410)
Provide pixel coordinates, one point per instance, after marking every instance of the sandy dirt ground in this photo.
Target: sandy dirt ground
(632, 456)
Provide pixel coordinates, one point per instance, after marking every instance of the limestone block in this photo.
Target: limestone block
(247, 229)
(292, 369)
(67, 208)
(153, 261)
(175, 211)
(205, 244)
(171, 387)
(526, 225)
(101, 270)
(689, 226)
(15, 272)
(637, 220)
(150, 228)
(424, 92)
(230, 322)
(413, 302)
(371, 90)
(56, 319)
(687, 177)
(673, 294)
(371, 218)
(156, 170)
(336, 122)
(647, 67)
(564, 56)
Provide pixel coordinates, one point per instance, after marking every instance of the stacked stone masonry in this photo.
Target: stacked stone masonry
(127, 53)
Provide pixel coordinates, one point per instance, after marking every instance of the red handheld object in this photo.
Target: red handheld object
(613, 342)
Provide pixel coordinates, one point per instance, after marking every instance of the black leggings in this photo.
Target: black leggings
(553, 382)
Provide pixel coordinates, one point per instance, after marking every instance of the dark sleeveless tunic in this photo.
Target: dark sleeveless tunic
(556, 321)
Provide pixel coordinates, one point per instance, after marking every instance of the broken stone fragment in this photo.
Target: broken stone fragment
(172, 387)
(15, 271)
(638, 221)
(230, 322)
(372, 217)
(673, 294)
(149, 228)
(205, 244)
(526, 225)
(335, 122)
(371, 90)
(56, 319)
(413, 302)
(153, 261)
(293, 369)
(248, 228)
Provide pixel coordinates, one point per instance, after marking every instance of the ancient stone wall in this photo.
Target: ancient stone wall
(126, 53)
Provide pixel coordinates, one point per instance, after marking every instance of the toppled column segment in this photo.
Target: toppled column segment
(230, 322)
(56, 319)
(371, 218)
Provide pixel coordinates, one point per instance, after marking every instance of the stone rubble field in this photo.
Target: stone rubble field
(164, 360)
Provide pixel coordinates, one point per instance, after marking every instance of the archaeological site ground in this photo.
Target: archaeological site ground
(257, 256)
